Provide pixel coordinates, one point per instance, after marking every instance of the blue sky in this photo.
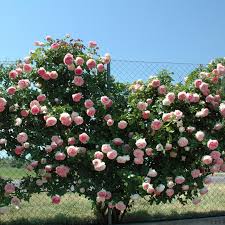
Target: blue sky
(150, 30)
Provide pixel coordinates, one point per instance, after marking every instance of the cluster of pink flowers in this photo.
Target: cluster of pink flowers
(3, 103)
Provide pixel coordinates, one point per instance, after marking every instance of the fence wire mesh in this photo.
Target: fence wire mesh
(77, 210)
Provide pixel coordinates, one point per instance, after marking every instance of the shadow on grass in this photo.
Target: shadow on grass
(57, 220)
(138, 216)
(144, 216)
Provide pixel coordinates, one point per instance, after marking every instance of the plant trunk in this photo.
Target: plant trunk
(104, 218)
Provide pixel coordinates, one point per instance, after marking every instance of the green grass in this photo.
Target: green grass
(77, 210)
(13, 173)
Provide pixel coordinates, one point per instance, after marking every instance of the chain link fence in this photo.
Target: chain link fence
(77, 210)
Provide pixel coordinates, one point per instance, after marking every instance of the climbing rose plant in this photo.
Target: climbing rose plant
(78, 130)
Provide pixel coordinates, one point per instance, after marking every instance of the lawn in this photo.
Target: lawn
(77, 210)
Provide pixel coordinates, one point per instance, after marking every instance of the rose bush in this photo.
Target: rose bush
(80, 131)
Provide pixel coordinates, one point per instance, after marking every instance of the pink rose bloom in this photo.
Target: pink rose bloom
(71, 141)
(91, 63)
(109, 104)
(215, 154)
(88, 103)
(48, 38)
(219, 161)
(78, 81)
(84, 138)
(27, 68)
(182, 95)
(71, 67)
(46, 76)
(78, 71)
(19, 70)
(149, 101)
(171, 97)
(106, 148)
(149, 151)
(190, 129)
(117, 141)
(55, 46)
(2, 104)
(35, 110)
(195, 173)
(207, 159)
(98, 155)
(15, 201)
(65, 119)
(155, 83)
(138, 161)
(145, 185)
(51, 121)
(19, 150)
(197, 83)
(150, 189)
(107, 117)
(100, 167)
(11, 90)
(53, 75)
(221, 69)
(182, 142)
(138, 153)
(105, 100)
(41, 71)
(41, 98)
(156, 124)
(178, 114)
(141, 143)
(62, 170)
(108, 195)
(122, 124)
(79, 61)
(169, 192)
(167, 117)
(91, 111)
(78, 120)
(168, 146)
(222, 109)
(146, 114)
(100, 67)
(179, 180)
(9, 188)
(112, 154)
(13, 74)
(92, 44)
(110, 122)
(22, 137)
(152, 173)
(24, 83)
(162, 90)
(185, 187)
(212, 144)
(102, 193)
(142, 106)
(209, 98)
(107, 58)
(120, 206)
(68, 59)
(72, 151)
(56, 199)
(200, 135)
(60, 156)
(77, 97)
